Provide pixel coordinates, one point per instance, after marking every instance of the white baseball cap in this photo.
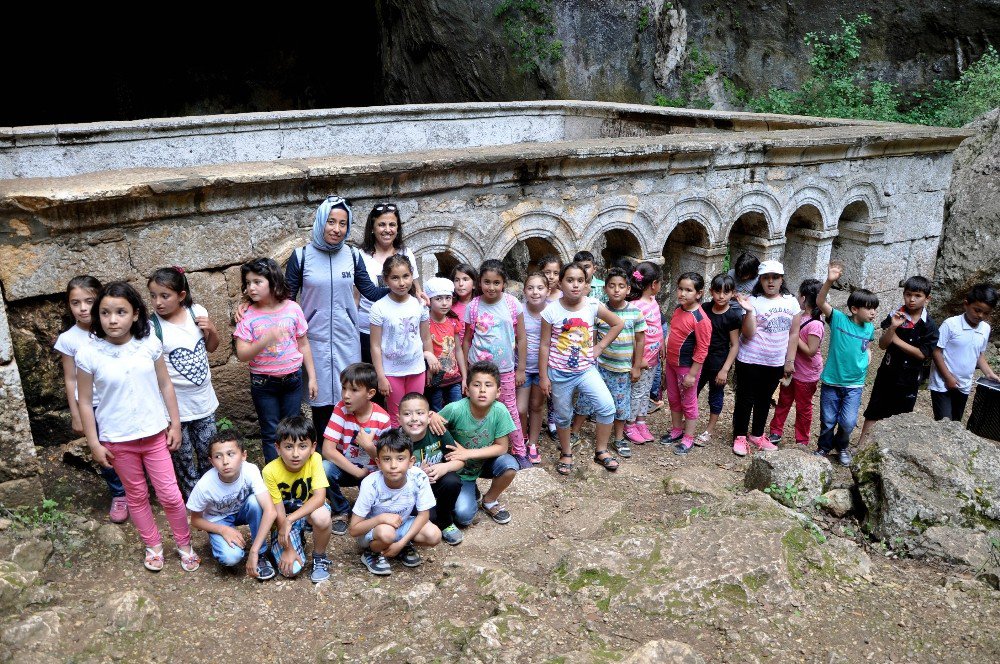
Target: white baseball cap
(439, 286)
(771, 267)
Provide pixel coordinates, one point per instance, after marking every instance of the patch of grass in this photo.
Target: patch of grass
(47, 516)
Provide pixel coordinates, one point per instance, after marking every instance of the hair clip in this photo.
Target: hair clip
(637, 275)
(179, 268)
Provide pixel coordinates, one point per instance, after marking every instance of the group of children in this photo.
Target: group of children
(467, 383)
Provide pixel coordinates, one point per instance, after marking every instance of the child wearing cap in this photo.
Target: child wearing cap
(444, 386)
(768, 342)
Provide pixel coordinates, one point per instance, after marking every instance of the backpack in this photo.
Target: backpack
(154, 320)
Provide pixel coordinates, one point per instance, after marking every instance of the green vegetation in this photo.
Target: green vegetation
(530, 33)
(47, 515)
(644, 18)
(786, 495)
(697, 68)
(224, 424)
(835, 88)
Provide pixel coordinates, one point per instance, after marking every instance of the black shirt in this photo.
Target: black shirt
(722, 325)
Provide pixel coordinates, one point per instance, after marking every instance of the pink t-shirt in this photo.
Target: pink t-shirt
(808, 369)
(654, 330)
(458, 308)
(283, 357)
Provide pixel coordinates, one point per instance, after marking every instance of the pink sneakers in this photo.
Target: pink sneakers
(762, 443)
(740, 446)
(634, 433)
(119, 510)
(533, 456)
(644, 432)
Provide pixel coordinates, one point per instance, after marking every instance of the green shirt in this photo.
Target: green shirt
(476, 434)
(597, 290)
(847, 362)
(617, 357)
(432, 448)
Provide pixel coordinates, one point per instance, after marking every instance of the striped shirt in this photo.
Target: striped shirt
(283, 357)
(343, 428)
(617, 357)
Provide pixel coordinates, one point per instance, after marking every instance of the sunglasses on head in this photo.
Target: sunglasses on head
(386, 207)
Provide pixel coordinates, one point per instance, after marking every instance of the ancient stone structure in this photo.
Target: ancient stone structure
(680, 187)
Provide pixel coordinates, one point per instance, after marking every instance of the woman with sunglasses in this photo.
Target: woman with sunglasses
(321, 275)
(383, 239)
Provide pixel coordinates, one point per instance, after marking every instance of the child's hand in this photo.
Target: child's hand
(458, 453)
(722, 377)
(206, 325)
(643, 364)
(383, 386)
(545, 384)
(286, 564)
(434, 471)
(102, 455)
(252, 564)
(285, 536)
(789, 368)
(835, 271)
(76, 424)
(233, 537)
(174, 436)
(437, 424)
(992, 376)
(897, 319)
(391, 519)
(313, 388)
(433, 364)
(744, 301)
(688, 381)
(393, 550)
(635, 374)
(241, 311)
(951, 382)
(364, 437)
(519, 378)
(274, 335)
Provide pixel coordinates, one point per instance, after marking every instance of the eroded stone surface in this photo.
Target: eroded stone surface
(807, 475)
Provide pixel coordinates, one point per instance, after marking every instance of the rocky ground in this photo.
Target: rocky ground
(591, 569)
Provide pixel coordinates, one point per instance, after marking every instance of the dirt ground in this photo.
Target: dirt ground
(514, 593)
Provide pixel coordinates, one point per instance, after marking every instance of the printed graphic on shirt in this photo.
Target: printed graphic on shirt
(573, 340)
(190, 363)
(397, 340)
(300, 489)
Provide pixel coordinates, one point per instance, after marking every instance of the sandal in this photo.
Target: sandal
(562, 467)
(154, 560)
(189, 561)
(606, 459)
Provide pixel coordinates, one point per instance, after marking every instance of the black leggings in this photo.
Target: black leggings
(755, 384)
(321, 417)
(446, 491)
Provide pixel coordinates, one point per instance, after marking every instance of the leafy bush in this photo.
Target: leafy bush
(834, 87)
(530, 33)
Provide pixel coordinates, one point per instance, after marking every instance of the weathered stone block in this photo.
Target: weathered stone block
(209, 290)
(232, 386)
(25, 492)
(17, 450)
(30, 270)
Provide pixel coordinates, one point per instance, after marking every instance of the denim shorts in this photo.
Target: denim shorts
(531, 379)
(366, 539)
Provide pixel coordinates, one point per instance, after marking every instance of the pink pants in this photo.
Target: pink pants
(681, 399)
(802, 394)
(400, 387)
(508, 397)
(134, 461)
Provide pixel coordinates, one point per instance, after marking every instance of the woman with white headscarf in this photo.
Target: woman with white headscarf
(320, 275)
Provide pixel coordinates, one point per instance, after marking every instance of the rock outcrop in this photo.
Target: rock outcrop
(932, 485)
(793, 477)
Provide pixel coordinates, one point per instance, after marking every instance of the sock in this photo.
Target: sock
(687, 441)
(488, 505)
(676, 433)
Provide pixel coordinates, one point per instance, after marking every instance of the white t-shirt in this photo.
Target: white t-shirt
(375, 498)
(571, 347)
(769, 345)
(131, 406)
(402, 347)
(961, 344)
(69, 343)
(375, 274)
(216, 499)
(533, 337)
(187, 364)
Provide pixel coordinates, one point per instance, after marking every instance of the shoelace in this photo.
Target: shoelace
(321, 563)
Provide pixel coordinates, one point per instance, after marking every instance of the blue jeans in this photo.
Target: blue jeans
(468, 498)
(654, 390)
(838, 406)
(338, 478)
(591, 388)
(249, 514)
(115, 487)
(441, 396)
(274, 399)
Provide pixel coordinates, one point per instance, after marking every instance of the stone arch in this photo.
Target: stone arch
(807, 245)
(620, 216)
(687, 248)
(535, 223)
(430, 240)
(702, 211)
(521, 258)
(861, 225)
(874, 203)
(753, 206)
(810, 196)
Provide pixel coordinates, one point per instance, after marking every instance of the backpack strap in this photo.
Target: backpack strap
(512, 308)
(473, 310)
(154, 320)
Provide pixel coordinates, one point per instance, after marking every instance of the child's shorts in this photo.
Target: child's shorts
(531, 379)
(367, 538)
(297, 534)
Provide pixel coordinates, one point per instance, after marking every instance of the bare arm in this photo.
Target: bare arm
(375, 332)
(949, 378)
(170, 400)
(499, 447)
(433, 364)
(307, 362)
(543, 358)
(522, 350)
(833, 273)
(616, 326)
(263, 531)
(335, 456)
(69, 379)
(359, 526)
(985, 367)
(85, 385)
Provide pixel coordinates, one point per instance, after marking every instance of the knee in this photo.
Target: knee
(384, 534)
(430, 535)
(230, 556)
(321, 519)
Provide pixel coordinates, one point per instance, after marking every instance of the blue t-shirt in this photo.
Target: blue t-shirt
(847, 363)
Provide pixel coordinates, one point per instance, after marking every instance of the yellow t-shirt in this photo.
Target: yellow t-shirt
(284, 485)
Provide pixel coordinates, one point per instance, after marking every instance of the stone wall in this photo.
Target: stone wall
(870, 194)
(19, 483)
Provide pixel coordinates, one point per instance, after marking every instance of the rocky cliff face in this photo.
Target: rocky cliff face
(623, 50)
(971, 239)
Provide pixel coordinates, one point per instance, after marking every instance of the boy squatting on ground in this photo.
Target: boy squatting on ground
(480, 426)
(383, 521)
(230, 494)
(960, 350)
(297, 484)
